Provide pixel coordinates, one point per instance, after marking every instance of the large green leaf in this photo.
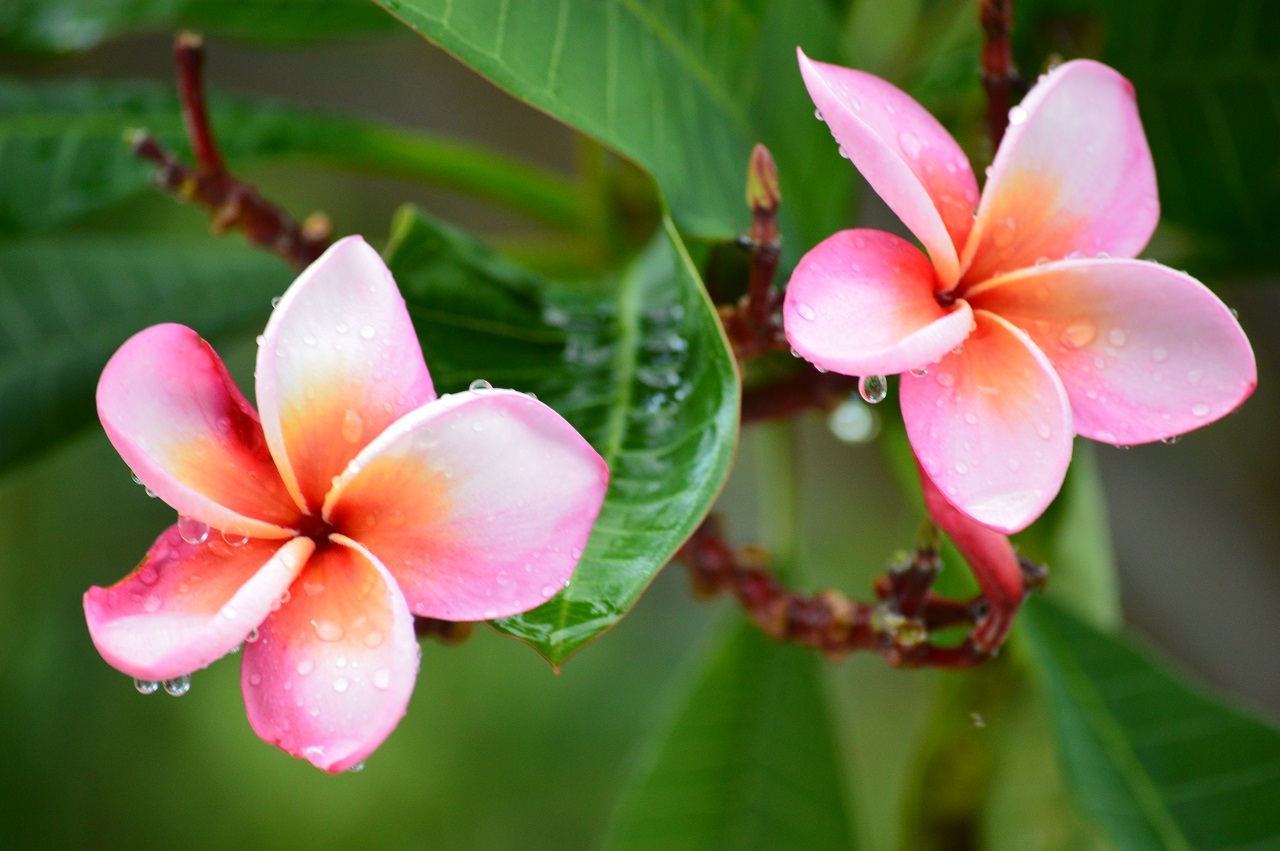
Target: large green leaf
(66, 304)
(1157, 763)
(683, 88)
(62, 151)
(638, 363)
(750, 760)
(1208, 82)
(65, 25)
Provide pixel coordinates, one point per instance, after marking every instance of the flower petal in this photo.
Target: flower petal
(183, 427)
(1073, 174)
(991, 558)
(339, 362)
(331, 672)
(862, 303)
(479, 504)
(189, 604)
(909, 159)
(991, 426)
(1144, 351)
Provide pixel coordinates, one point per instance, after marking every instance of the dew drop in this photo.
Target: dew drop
(235, 537)
(146, 686)
(327, 630)
(1117, 337)
(381, 678)
(191, 530)
(480, 384)
(548, 591)
(275, 302)
(305, 667)
(342, 327)
(946, 379)
(341, 684)
(962, 467)
(1201, 410)
(367, 332)
(1159, 355)
(252, 636)
(229, 612)
(1044, 431)
(921, 372)
(373, 639)
(309, 339)
(1079, 334)
(1017, 115)
(356, 767)
(873, 388)
(1194, 376)
(255, 679)
(352, 426)
(910, 144)
(260, 340)
(178, 686)
(150, 493)
(807, 312)
(148, 575)
(976, 718)
(1171, 440)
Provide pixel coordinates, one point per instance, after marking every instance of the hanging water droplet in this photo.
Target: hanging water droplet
(1171, 440)
(275, 302)
(191, 530)
(150, 493)
(260, 340)
(235, 537)
(352, 426)
(921, 372)
(873, 388)
(178, 686)
(356, 767)
(252, 636)
(480, 384)
(146, 686)
(1017, 115)
(817, 113)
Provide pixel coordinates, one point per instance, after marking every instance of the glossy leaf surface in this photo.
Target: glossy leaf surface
(1156, 762)
(637, 363)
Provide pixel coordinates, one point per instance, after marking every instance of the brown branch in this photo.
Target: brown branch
(899, 627)
(754, 324)
(446, 632)
(802, 391)
(232, 203)
(1000, 77)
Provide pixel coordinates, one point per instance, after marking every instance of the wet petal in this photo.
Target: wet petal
(909, 158)
(331, 672)
(479, 504)
(1073, 175)
(340, 361)
(189, 604)
(862, 303)
(991, 425)
(183, 427)
(1144, 351)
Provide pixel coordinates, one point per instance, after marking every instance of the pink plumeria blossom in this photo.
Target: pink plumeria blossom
(1027, 323)
(318, 529)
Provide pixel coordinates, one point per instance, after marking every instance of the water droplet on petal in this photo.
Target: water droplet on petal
(146, 686)
(1117, 337)
(1044, 431)
(148, 575)
(275, 302)
(356, 767)
(1171, 440)
(946, 379)
(309, 339)
(341, 684)
(910, 144)
(381, 678)
(178, 686)
(373, 639)
(1159, 355)
(873, 388)
(327, 630)
(305, 667)
(1079, 334)
(367, 332)
(352, 426)
(921, 372)
(191, 530)
(255, 679)
(229, 612)
(1017, 115)
(252, 636)
(806, 312)
(1201, 410)
(235, 537)
(480, 384)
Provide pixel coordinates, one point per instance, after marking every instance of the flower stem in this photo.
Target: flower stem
(999, 75)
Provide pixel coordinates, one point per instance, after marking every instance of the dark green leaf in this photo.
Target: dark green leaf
(1208, 84)
(66, 25)
(62, 151)
(1156, 762)
(750, 761)
(638, 363)
(67, 304)
(684, 89)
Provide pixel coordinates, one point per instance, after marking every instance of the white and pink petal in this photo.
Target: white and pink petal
(339, 362)
(1073, 177)
(991, 425)
(332, 670)
(1145, 352)
(187, 605)
(904, 153)
(480, 504)
(177, 419)
(861, 302)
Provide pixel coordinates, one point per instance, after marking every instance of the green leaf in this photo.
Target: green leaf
(62, 151)
(66, 304)
(1208, 84)
(67, 25)
(637, 362)
(1156, 762)
(749, 761)
(684, 89)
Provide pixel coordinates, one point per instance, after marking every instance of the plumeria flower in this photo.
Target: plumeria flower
(1026, 323)
(315, 528)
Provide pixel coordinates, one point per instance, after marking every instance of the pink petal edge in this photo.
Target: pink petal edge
(991, 425)
(340, 361)
(480, 504)
(161, 622)
(907, 156)
(861, 302)
(333, 669)
(1073, 176)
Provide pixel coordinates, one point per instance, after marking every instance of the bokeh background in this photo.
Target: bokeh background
(497, 751)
